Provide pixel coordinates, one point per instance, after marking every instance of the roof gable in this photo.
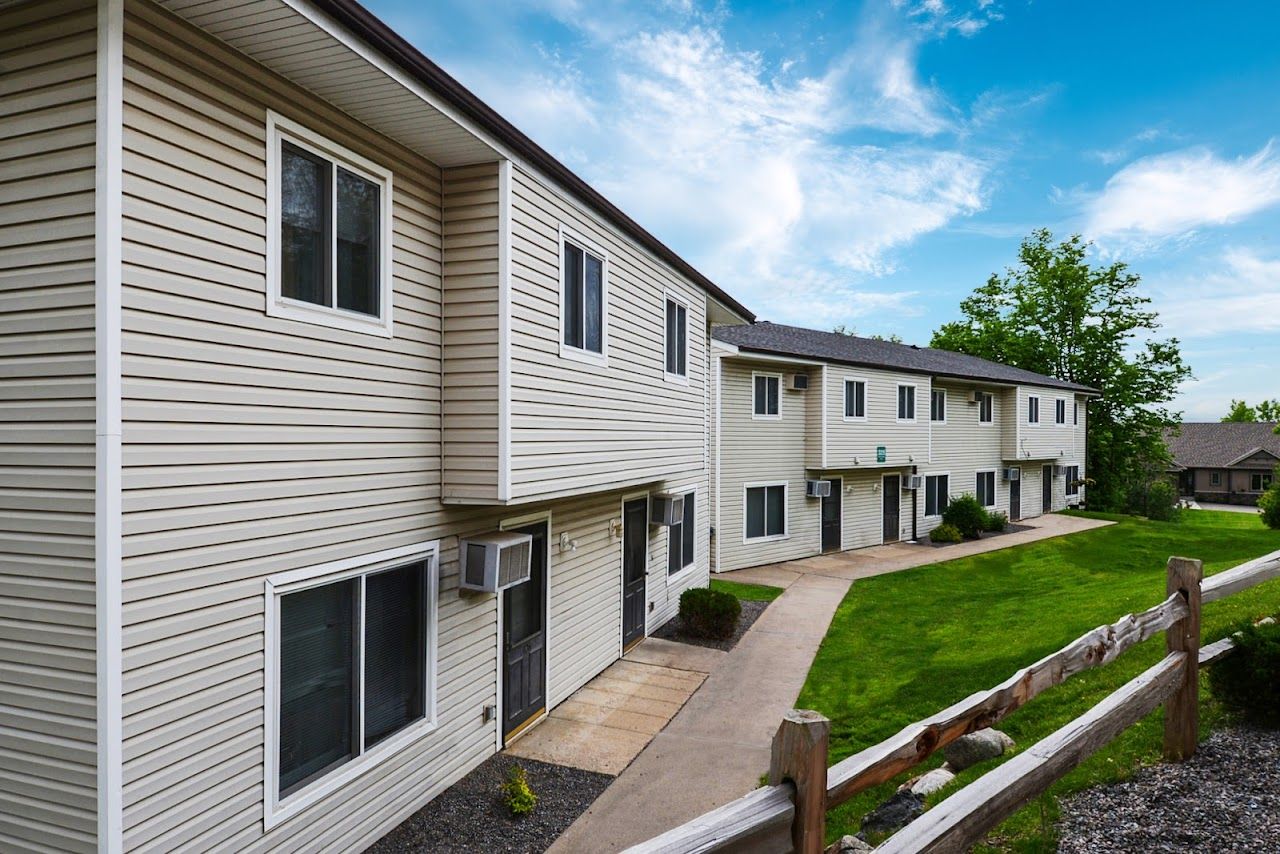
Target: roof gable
(1222, 444)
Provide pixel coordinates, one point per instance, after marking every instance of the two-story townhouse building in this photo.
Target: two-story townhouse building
(286, 314)
(794, 406)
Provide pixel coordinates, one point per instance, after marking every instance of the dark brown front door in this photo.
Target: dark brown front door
(892, 507)
(1046, 488)
(524, 632)
(635, 533)
(1015, 500)
(831, 518)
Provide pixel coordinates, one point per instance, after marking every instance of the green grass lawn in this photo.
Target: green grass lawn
(747, 592)
(906, 645)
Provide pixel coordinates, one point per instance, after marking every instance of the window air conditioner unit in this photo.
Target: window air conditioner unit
(495, 561)
(666, 509)
(817, 489)
(975, 396)
(1059, 471)
(797, 382)
(1011, 474)
(912, 481)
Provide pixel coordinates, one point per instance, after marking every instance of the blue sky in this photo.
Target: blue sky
(870, 164)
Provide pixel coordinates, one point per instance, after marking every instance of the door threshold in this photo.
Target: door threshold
(536, 718)
(635, 643)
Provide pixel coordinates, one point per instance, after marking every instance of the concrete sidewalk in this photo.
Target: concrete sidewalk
(717, 746)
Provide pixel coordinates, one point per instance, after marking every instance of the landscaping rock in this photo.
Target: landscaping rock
(968, 750)
(894, 814)
(927, 784)
(849, 845)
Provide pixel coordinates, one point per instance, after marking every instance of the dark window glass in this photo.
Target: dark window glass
(1073, 477)
(1060, 411)
(317, 681)
(682, 337)
(680, 538)
(1033, 410)
(855, 399)
(906, 402)
(985, 407)
(938, 405)
(593, 305)
(776, 511)
(773, 395)
(766, 395)
(936, 493)
(677, 327)
(1075, 413)
(395, 645)
(572, 295)
(304, 226)
(359, 227)
(986, 488)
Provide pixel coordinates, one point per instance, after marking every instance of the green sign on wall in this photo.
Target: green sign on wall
(880, 454)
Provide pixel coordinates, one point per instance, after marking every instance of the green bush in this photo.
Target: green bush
(1162, 502)
(1269, 503)
(996, 521)
(966, 515)
(516, 793)
(945, 533)
(1248, 680)
(709, 613)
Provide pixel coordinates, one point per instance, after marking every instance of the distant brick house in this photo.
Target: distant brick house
(1231, 463)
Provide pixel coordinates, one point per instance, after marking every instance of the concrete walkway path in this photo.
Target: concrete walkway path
(717, 746)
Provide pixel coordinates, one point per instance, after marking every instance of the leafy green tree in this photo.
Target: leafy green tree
(893, 337)
(841, 329)
(1240, 412)
(1268, 410)
(1056, 313)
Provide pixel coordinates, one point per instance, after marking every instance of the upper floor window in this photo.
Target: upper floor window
(765, 403)
(937, 491)
(329, 232)
(1075, 412)
(582, 310)
(986, 407)
(680, 537)
(938, 405)
(855, 399)
(1060, 411)
(1033, 410)
(677, 337)
(906, 403)
(766, 511)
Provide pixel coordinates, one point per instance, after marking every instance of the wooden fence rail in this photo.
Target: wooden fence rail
(802, 788)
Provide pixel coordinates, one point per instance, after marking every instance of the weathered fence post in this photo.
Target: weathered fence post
(1182, 710)
(800, 755)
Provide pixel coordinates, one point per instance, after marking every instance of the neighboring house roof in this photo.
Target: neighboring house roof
(1220, 444)
(777, 339)
(368, 27)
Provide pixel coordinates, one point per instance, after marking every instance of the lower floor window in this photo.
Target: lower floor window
(985, 488)
(681, 537)
(936, 494)
(766, 511)
(352, 665)
(1259, 482)
(1073, 480)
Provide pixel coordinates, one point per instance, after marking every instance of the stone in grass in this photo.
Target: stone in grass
(849, 845)
(894, 814)
(968, 750)
(930, 782)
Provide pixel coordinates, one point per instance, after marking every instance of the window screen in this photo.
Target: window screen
(395, 645)
(304, 225)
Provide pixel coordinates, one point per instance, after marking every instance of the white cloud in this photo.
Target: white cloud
(1172, 195)
(1240, 295)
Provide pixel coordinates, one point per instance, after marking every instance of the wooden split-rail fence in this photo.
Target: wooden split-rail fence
(789, 814)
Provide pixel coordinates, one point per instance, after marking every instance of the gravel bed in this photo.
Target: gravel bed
(1226, 798)
(470, 815)
(673, 630)
(985, 535)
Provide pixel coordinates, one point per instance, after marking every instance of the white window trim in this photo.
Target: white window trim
(866, 397)
(580, 354)
(995, 485)
(1038, 420)
(992, 397)
(1075, 414)
(1063, 401)
(680, 574)
(786, 511)
(275, 809)
(754, 415)
(945, 405)
(1066, 481)
(679, 379)
(915, 403)
(278, 305)
(925, 502)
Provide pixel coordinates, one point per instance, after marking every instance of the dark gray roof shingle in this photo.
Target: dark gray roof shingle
(783, 340)
(1218, 445)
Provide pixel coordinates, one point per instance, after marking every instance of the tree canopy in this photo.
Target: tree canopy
(1056, 313)
(1267, 410)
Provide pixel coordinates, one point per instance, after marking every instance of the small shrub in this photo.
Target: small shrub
(709, 613)
(1248, 680)
(516, 793)
(966, 515)
(996, 522)
(1269, 503)
(1162, 502)
(946, 533)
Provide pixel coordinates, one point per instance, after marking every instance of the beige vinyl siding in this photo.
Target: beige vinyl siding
(757, 451)
(862, 508)
(582, 425)
(471, 332)
(1046, 440)
(815, 439)
(48, 714)
(663, 589)
(905, 443)
(962, 446)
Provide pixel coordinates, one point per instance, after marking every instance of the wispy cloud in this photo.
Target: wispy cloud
(1239, 294)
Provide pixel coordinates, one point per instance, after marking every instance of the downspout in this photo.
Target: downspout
(915, 499)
